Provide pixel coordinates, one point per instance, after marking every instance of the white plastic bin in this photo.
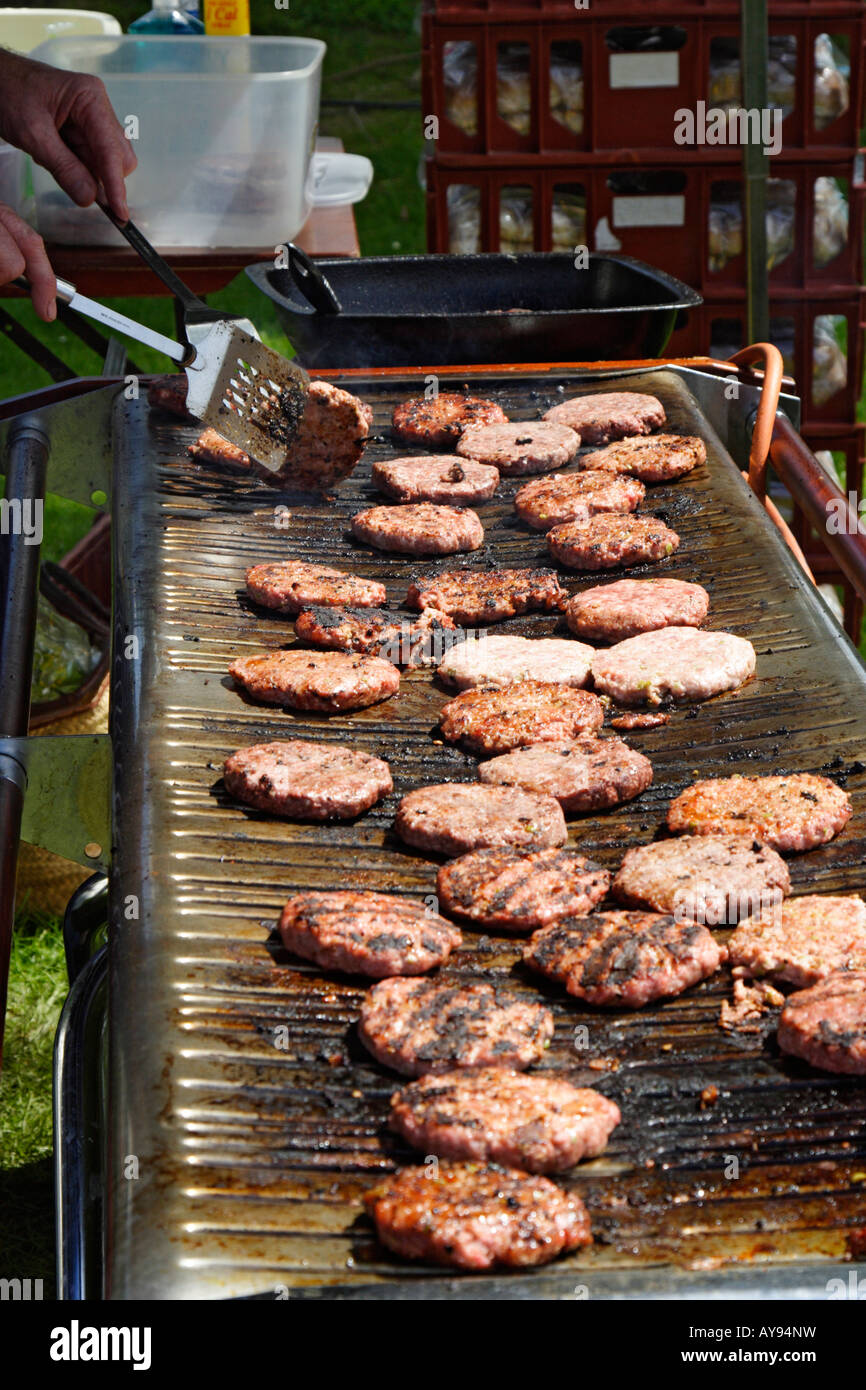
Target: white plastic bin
(224, 128)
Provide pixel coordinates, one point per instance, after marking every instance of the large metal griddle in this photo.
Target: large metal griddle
(254, 1147)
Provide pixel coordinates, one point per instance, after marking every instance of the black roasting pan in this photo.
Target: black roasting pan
(415, 311)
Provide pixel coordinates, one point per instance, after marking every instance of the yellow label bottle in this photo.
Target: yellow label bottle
(226, 17)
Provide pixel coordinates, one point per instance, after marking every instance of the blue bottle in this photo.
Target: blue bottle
(167, 17)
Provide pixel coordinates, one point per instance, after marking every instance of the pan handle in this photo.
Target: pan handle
(307, 277)
(762, 434)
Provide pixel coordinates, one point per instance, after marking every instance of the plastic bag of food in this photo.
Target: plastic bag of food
(464, 219)
(515, 220)
(781, 200)
(726, 78)
(726, 235)
(725, 240)
(63, 657)
(830, 230)
(782, 72)
(513, 89)
(832, 88)
(829, 360)
(568, 220)
(460, 79)
(566, 86)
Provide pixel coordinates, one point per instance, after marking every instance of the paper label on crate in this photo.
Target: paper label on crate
(644, 70)
(649, 210)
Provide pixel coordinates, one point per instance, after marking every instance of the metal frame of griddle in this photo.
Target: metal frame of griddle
(76, 1247)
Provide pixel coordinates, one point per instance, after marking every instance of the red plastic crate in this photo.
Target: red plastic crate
(668, 215)
(630, 100)
(847, 446)
(718, 328)
(629, 9)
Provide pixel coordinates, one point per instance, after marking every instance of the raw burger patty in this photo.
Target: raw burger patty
(540, 1123)
(675, 663)
(455, 817)
(517, 890)
(495, 721)
(792, 814)
(476, 1216)
(442, 478)
(529, 446)
(613, 612)
(802, 941)
(169, 393)
(548, 502)
(374, 934)
(441, 420)
(609, 415)
(330, 439)
(487, 596)
(498, 661)
(826, 1025)
(419, 529)
(291, 585)
(660, 459)
(308, 781)
(376, 632)
(607, 540)
(416, 1026)
(624, 958)
(587, 774)
(714, 879)
(323, 681)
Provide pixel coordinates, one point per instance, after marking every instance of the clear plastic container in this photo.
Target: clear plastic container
(23, 29)
(11, 177)
(225, 137)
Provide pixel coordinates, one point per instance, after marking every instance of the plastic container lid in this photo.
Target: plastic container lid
(23, 30)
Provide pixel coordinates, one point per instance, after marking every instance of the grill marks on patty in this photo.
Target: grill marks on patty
(378, 934)
(439, 421)
(661, 458)
(540, 1123)
(376, 632)
(624, 959)
(791, 813)
(477, 1216)
(826, 1025)
(487, 596)
(495, 721)
(606, 540)
(517, 890)
(418, 1026)
(291, 585)
(548, 502)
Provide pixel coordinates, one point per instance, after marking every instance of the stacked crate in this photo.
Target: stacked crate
(556, 127)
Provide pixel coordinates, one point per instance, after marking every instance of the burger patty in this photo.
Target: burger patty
(168, 393)
(634, 720)
(440, 420)
(801, 941)
(527, 446)
(291, 585)
(476, 1216)
(613, 612)
(826, 1025)
(517, 890)
(404, 641)
(416, 1026)
(330, 439)
(325, 681)
(539, 1123)
(307, 781)
(609, 415)
(624, 958)
(495, 721)
(792, 813)
(548, 502)
(608, 540)
(659, 459)
(675, 663)
(376, 934)
(442, 478)
(587, 774)
(487, 596)
(714, 879)
(498, 661)
(455, 817)
(419, 529)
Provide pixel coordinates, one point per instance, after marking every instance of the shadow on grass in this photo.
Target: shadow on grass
(27, 1224)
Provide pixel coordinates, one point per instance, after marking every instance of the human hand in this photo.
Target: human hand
(65, 122)
(22, 252)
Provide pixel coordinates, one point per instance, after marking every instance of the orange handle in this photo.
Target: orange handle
(762, 435)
